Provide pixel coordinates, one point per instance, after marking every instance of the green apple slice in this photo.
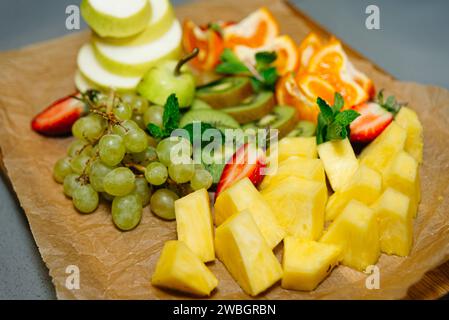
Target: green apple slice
(116, 18)
(94, 72)
(161, 20)
(137, 60)
(82, 84)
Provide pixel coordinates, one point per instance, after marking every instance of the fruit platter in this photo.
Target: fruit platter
(241, 154)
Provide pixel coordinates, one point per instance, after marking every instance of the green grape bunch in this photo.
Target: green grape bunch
(115, 160)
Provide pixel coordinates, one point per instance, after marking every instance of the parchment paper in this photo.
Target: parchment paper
(117, 265)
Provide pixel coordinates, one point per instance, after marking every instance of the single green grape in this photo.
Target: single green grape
(202, 179)
(127, 98)
(154, 115)
(173, 150)
(71, 183)
(181, 173)
(163, 204)
(127, 211)
(140, 105)
(135, 141)
(79, 164)
(78, 147)
(124, 127)
(89, 128)
(138, 118)
(98, 171)
(85, 199)
(143, 190)
(112, 149)
(143, 158)
(62, 169)
(156, 173)
(122, 111)
(119, 182)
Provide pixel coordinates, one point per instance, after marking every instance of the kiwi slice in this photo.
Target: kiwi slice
(199, 105)
(252, 108)
(218, 119)
(225, 92)
(303, 129)
(282, 118)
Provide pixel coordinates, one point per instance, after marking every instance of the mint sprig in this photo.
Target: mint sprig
(333, 124)
(170, 119)
(263, 75)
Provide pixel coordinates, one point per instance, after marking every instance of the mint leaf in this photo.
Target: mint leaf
(326, 110)
(346, 117)
(204, 127)
(333, 124)
(170, 119)
(270, 76)
(155, 131)
(265, 59)
(230, 63)
(171, 116)
(339, 102)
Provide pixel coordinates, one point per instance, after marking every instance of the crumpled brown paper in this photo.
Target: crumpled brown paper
(117, 265)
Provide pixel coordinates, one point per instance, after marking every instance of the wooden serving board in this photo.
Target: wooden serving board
(435, 283)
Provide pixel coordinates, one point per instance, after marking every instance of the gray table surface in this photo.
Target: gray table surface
(412, 44)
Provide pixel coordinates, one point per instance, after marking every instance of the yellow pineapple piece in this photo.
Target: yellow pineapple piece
(307, 263)
(179, 268)
(293, 146)
(299, 206)
(245, 253)
(379, 153)
(364, 186)
(243, 195)
(408, 119)
(403, 175)
(395, 222)
(305, 168)
(339, 162)
(356, 231)
(194, 224)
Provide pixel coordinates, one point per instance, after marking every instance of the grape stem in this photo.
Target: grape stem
(186, 59)
(136, 166)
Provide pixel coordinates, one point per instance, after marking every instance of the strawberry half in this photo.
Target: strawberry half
(372, 121)
(247, 162)
(59, 117)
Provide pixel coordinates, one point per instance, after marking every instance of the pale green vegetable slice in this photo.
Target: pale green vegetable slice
(94, 72)
(116, 18)
(161, 20)
(136, 60)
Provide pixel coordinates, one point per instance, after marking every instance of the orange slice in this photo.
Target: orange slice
(287, 53)
(309, 46)
(208, 41)
(288, 93)
(328, 59)
(313, 86)
(255, 31)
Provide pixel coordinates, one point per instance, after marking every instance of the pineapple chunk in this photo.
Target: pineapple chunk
(395, 222)
(307, 263)
(299, 206)
(379, 153)
(243, 250)
(194, 224)
(293, 146)
(408, 119)
(357, 233)
(179, 268)
(364, 186)
(309, 169)
(403, 175)
(243, 195)
(339, 162)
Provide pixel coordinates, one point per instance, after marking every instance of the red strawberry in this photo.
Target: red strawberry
(247, 162)
(372, 121)
(59, 117)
